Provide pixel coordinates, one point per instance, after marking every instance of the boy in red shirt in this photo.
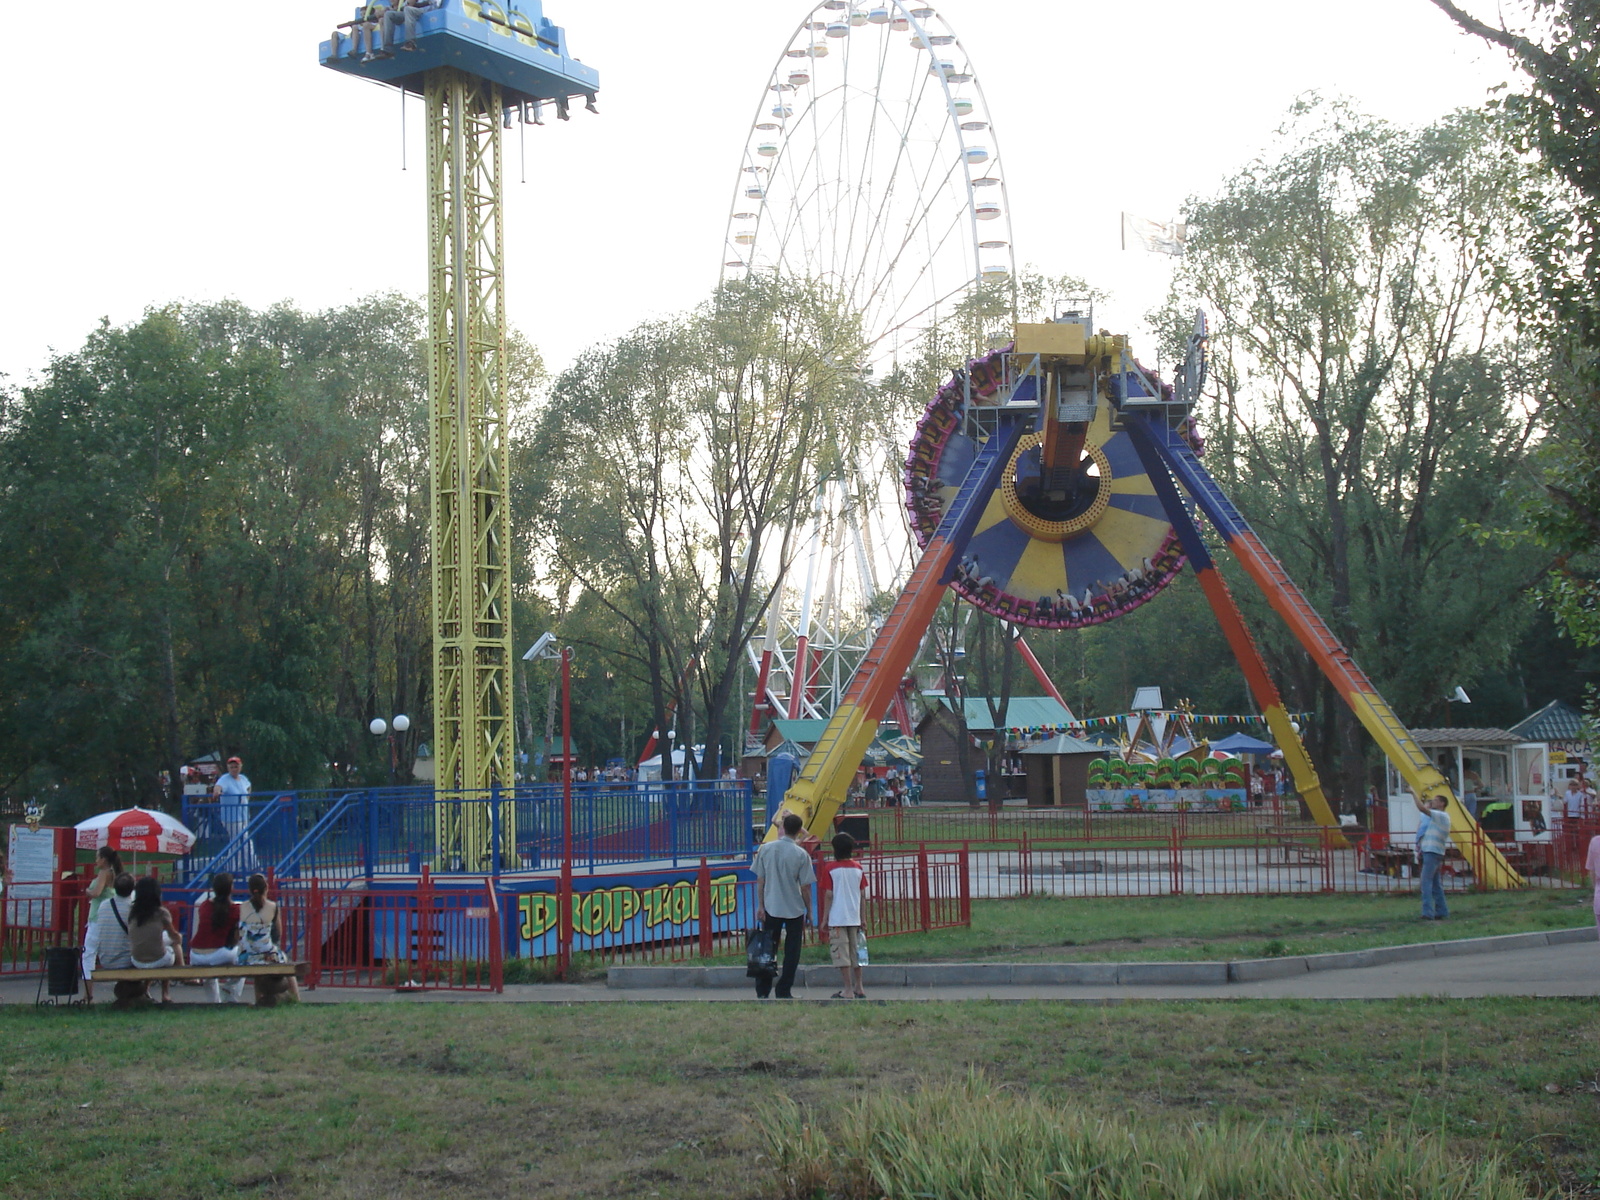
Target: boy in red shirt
(843, 888)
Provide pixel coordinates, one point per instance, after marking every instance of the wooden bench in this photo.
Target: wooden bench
(1289, 846)
(268, 977)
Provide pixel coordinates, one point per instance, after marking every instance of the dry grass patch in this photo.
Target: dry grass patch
(502, 1100)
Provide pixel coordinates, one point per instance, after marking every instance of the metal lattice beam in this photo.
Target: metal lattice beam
(469, 452)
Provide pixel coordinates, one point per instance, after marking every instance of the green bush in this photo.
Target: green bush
(973, 1139)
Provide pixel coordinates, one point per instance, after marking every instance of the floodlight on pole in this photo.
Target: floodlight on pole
(543, 648)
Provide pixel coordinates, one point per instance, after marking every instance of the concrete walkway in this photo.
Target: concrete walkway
(1561, 963)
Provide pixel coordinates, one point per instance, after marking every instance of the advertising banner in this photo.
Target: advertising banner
(626, 910)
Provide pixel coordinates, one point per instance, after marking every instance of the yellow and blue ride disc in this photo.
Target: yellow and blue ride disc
(1114, 556)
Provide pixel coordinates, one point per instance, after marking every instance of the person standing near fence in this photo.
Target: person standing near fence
(107, 866)
(784, 876)
(1433, 839)
(232, 792)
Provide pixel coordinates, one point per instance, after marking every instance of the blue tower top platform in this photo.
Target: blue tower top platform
(510, 43)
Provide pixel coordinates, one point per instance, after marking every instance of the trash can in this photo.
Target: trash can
(63, 965)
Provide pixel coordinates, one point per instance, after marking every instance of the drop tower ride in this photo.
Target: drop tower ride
(480, 67)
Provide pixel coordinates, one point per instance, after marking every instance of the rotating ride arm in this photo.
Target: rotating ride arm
(819, 791)
(1243, 645)
(1352, 684)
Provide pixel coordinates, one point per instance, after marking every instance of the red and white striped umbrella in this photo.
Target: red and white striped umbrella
(135, 829)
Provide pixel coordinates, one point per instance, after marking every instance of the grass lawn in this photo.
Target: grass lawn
(1210, 928)
(1180, 928)
(501, 1100)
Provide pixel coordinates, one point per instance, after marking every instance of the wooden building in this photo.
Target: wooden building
(942, 733)
(1058, 771)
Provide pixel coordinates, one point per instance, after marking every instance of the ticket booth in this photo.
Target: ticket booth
(1503, 781)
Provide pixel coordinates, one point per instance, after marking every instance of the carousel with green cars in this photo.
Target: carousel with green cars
(1188, 782)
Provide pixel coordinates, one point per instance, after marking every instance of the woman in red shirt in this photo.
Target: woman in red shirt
(216, 936)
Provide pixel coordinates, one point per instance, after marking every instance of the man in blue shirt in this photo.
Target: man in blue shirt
(1433, 839)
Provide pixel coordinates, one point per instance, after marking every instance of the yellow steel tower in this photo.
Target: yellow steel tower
(479, 65)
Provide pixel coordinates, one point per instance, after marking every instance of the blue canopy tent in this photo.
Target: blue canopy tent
(1243, 743)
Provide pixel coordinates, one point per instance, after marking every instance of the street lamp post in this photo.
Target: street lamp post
(378, 728)
(545, 648)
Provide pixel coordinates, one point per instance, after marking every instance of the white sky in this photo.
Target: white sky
(194, 149)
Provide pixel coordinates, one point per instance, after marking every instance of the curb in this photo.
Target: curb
(1130, 974)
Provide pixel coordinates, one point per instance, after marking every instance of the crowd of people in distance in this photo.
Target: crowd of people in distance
(1578, 802)
(130, 927)
(893, 788)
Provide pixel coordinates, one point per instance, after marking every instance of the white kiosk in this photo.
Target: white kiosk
(1489, 769)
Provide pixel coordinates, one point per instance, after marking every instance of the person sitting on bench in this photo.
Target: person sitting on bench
(261, 931)
(153, 939)
(215, 934)
(112, 926)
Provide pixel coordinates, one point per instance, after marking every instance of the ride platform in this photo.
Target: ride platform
(513, 45)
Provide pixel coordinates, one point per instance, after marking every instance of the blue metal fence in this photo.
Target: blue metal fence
(396, 831)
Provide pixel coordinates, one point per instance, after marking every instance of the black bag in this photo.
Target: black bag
(761, 954)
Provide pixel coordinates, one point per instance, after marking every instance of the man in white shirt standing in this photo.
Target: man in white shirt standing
(784, 876)
(232, 793)
(1576, 800)
(1433, 839)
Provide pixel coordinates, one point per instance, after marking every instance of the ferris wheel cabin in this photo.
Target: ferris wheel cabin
(514, 45)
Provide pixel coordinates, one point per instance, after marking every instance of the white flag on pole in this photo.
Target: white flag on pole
(1158, 237)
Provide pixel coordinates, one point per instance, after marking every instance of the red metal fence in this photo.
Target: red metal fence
(456, 938)
(904, 827)
(30, 926)
(426, 937)
(906, 893)
(1277, 861)
(431, 936)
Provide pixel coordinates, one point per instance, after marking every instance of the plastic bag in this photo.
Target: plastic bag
(761, 954)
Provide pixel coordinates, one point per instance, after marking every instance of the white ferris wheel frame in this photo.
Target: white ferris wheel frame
(810, 635)
(989, 257)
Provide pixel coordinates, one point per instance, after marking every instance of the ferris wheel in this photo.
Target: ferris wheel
(872, 167)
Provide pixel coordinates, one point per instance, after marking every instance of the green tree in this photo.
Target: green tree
(1374, 396)
(668, 472)
(1558, 49)
(217, 530)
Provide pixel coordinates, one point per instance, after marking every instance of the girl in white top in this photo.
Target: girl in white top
(261, 930)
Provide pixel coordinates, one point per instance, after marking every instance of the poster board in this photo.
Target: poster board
(35, 860)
